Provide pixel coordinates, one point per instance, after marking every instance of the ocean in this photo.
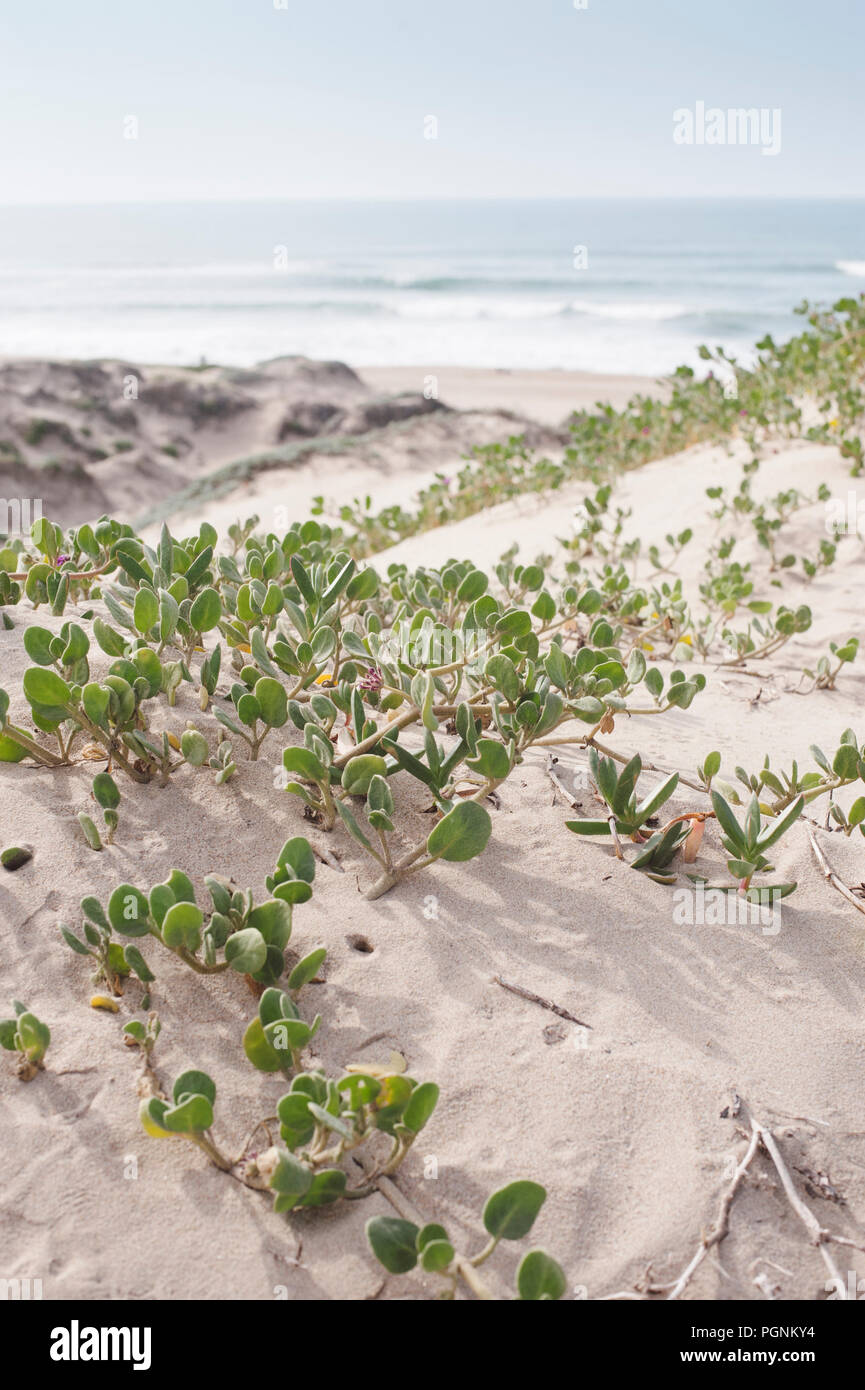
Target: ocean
(600, 285)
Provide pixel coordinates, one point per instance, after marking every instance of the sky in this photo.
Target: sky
(103, 101)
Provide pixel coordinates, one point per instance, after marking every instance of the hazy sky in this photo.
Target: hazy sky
(328, 98)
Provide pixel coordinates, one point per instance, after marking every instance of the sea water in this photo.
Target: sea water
(612, 285)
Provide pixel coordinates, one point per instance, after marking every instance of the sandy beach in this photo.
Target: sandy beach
(546, 396)
(631, 1124)
(432, 675)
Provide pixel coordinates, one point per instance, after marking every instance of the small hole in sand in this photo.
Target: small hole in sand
(360, 943)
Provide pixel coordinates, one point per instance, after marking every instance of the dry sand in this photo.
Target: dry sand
(548, 396)
(622, 1122)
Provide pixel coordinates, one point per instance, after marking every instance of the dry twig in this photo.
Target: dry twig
(537, 999)
(830, 875)
(760, 1137)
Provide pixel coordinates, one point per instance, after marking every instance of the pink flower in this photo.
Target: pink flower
(373, 680)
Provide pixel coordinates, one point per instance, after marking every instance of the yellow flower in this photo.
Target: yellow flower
(687, 638)
(833, 424)
(325, 676)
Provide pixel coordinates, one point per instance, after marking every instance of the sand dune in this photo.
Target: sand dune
(622, 1121)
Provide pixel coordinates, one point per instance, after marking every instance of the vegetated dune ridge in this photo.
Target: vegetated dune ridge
(621, 1123)
(121, 438)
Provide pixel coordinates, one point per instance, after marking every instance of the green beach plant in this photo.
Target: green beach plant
(28, 1037)
(113, 961)
(747, 843)
(509, 1214)
(320, 1122)
(107, 795)
(235, 934)
(187, 1115)
(276, 1038)
(627, 816)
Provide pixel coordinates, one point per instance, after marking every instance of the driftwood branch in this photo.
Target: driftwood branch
(722, 1223)
(760, 1137)
(830, 875)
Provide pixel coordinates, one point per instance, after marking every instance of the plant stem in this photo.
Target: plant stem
(485, 1253)
(35, 750)
(208, 1147)
(409, 717)
(198, 966)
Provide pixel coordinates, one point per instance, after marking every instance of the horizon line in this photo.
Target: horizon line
(449, 198)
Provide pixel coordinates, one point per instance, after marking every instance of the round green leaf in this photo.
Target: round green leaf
(194, 747)
(359, 772)
(291, 1179)
(272, 700)
(510, 1213)
(362, 1090)
(181, 926)
(473, 586)
(540, 1278)
(181, 886)
(500, 672)
(45, 687)
(275, 1004)
(248, 709)
(37, 645)
(393, 1242)
(246, 951)
(461, 834)
(106, 791)
(152, 1116)
(298, 856)
(259, 1050)
(304, 763)
(421, 1106)
(295, 890)
(491, 759)
(297, 1124)
(273, 920)
(431, 1231)
(194, 1083)
(437, 1255)
(287, 1033)
(145, 610)
(327, 1186)
(206, 610)
(191, 1116)
(844, 764)
(306, 969)
(33, 1036)
(128, 911)
(10, 751)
